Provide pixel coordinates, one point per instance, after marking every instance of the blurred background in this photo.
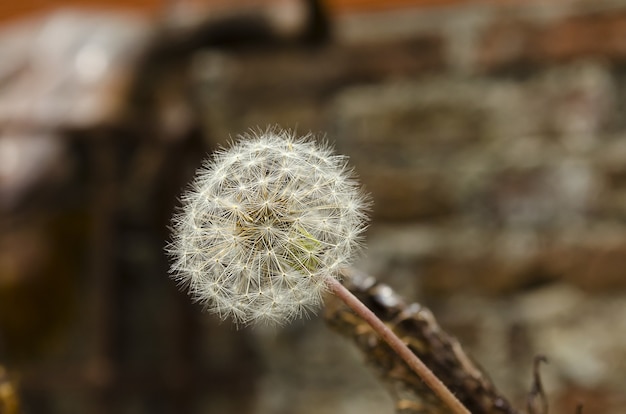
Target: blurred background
(491, 135)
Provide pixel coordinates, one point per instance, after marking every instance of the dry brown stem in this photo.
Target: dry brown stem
(417, 327)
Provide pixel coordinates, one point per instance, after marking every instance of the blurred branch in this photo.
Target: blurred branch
(417, 326)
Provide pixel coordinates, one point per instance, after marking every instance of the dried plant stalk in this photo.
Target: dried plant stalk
(418, 328)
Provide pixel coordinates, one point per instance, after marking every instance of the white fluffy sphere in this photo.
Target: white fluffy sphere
(264, 225)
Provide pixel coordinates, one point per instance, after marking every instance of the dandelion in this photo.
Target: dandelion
(264, 225)
(267, 227)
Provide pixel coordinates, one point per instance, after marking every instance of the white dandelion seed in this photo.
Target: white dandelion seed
(265, 223)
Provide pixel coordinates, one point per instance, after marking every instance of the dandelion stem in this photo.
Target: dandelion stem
(398, 346)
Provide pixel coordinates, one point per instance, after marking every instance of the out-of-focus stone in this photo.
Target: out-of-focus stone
(520, 40)
(592, 265)
(403, 194)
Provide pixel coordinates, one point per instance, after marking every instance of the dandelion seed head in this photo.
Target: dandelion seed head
(264, 224)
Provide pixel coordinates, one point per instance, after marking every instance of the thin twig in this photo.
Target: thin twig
(398, 346)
